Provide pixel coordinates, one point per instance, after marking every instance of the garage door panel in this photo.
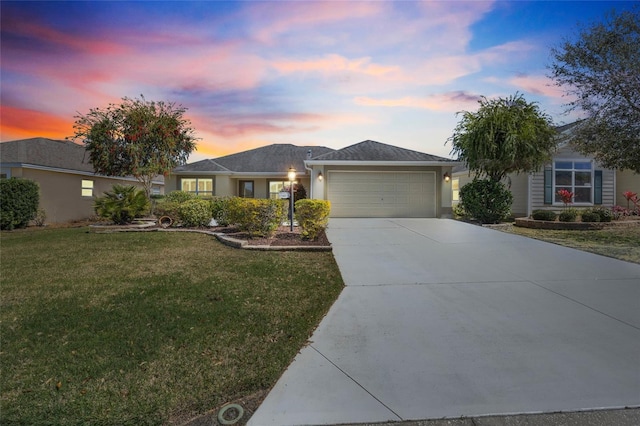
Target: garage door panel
(382, 194)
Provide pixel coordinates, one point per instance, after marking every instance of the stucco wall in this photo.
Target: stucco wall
(626, 181)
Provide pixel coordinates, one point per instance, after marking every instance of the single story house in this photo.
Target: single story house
(591, 184)
(368, 179)
(68, 183)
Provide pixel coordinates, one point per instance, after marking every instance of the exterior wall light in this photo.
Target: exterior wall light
(447, 178)
(320, 177)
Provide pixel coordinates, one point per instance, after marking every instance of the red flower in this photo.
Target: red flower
(566, 196)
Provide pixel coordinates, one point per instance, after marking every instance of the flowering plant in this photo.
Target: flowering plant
(631, 197)
(566, 196)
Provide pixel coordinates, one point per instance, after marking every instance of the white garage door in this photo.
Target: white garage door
(382, 194)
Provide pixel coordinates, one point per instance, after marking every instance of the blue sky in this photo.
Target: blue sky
(308, 73)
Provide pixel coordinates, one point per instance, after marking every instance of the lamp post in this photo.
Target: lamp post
(292, 177)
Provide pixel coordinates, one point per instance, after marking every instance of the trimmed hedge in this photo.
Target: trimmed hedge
(195, 212)
(219, 207)
(19, 200)
(590, 216)
(312, 217)
(544, 215)
(606, 215)
(486, 201)
(568, 215)
(258, 217)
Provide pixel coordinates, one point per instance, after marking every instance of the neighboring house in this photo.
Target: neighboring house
(592, 184)
(368, 179)
(68, 183)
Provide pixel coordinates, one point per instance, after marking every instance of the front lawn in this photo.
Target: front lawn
(620, 243)
(147, 328)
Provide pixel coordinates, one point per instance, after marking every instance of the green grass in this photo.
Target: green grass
(620, 243)
(147, 328)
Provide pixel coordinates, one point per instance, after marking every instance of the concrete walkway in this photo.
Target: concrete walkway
(442, 319)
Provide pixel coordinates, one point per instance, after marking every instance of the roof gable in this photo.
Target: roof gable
(376, 151)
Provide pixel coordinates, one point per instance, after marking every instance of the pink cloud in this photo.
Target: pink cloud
(272, 19)
(333, 63)
(537, 84)
(450, 101)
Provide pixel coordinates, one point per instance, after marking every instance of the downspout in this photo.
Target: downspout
(312, 181)
(529, 196)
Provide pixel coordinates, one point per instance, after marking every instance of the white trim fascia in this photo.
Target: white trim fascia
(237, 174)
(74, 172)
(379, 163)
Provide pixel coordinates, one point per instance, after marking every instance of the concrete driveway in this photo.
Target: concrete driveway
(445, 319)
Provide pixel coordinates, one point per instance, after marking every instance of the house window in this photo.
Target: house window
(576, 177)
(87, 188)
(455, 189)
(275, 187)
(246, 188)
(197, 186)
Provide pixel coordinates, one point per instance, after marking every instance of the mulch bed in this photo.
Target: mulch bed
(283, 237)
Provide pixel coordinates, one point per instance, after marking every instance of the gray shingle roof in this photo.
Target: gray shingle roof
(46, 152)
(276, 158)
(376, 151)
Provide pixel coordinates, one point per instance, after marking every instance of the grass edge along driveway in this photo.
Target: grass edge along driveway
(147, 328)
(619, 243)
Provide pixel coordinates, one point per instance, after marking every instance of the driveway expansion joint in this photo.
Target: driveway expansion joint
(357, 383)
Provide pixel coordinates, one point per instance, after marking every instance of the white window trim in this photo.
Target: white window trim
(84, 187)
(553, 175)
(206, 193)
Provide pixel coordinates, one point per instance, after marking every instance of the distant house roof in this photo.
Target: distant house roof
(276, 159)
(372, 151)
(51, 154)
(47, 153)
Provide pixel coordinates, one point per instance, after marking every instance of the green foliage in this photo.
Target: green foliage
(504, 136)
(590, 216)
(179, 196)
(544, 215)
(568, 215)
(599, 71)
(258, 217)
(219, 208)
(19, 200)
(312, 217)
(458, 211)
(166, 208)
(122, 204)
(486, 201)
(299, 192)
(195, 212)
(606, 215)
(137, 137)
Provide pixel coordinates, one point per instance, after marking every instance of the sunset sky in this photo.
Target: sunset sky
(255, 73)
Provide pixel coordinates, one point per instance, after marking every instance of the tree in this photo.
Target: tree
(600, 72)
(137, 138)
(504, 136)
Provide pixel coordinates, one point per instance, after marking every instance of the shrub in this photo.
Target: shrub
(486, 201)
(179, 196)
(544, 215)
(195, 212)
(167, 208)
(122, 204)
(590, 216)
(606, 215)
(219, 209)
(19, 199)
(568, 215)
(458, 211)
(312, 217)
(41, 217)
(258, 217)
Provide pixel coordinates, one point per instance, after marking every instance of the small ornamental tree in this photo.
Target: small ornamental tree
(137, 138)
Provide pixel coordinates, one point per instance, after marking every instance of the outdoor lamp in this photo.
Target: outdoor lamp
(447, 177)
(292, 177)
(320, 176)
